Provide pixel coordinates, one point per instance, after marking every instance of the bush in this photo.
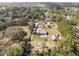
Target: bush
(2, 26)
(15, 51)
(14, 33)
(57, 18)
(72, 22)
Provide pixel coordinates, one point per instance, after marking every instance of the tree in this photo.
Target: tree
(69, 45)
(15, 33)
(12, 51)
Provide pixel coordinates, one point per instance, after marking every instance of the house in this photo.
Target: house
(39, 30)
(56, 37)
(42, 33)
(37, 25)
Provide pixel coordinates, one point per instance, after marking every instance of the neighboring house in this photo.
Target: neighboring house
(56, 37)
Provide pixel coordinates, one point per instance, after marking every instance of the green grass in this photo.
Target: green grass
(37, 37)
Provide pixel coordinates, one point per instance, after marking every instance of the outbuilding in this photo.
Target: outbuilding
(56, 37)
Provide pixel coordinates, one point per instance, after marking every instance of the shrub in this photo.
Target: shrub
(15, 51)
(14, 33)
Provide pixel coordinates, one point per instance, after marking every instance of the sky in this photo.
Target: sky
(39, 0)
